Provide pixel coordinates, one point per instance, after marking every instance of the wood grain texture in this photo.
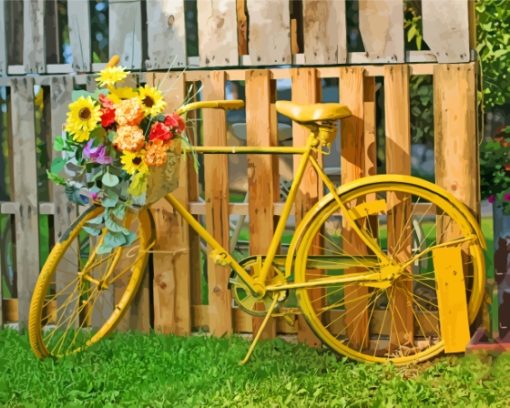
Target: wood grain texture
(242, 28)
(78, 18)
(172, 297)
(166, 36)
(446, 29)
(456, 142)
(269, 32)
(3, 39)
(262, 190)
(25, 191)
(325, 32)
(125, 32)
(305, 89)
(217, 197)
(34, 52)
(381, 24)
(398, 161)
(352, 165)
(217, 36)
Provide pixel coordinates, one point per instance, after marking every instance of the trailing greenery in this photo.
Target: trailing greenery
(156, 370)
(493, 47)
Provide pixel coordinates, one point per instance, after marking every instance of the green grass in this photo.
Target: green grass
(155, 370)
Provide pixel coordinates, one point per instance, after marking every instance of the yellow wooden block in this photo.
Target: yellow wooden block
(451, 299)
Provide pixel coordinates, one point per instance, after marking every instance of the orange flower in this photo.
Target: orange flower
(129, 138)
(155, 154)
(128, 112)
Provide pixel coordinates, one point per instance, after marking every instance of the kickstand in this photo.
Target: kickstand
(261, 329)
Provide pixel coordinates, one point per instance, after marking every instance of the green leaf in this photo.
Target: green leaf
(58, 144)
(79, 93)
(110, 202)
(98, 133)
(56, 178)
(110, 180)
(92, 231)
(57, 165)
(112, 226)
(96, 220)
(119, 211)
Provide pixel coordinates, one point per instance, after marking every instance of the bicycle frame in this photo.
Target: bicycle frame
(222, 256)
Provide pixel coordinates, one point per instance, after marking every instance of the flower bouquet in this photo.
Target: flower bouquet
(118, 150)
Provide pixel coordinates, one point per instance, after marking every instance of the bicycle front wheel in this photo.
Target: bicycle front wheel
(396, 322)
(80, 295)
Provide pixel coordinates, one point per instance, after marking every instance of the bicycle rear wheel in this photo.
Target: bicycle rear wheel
(80, 296)
(399, 323)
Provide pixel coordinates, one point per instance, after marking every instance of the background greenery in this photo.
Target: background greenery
(155, 371)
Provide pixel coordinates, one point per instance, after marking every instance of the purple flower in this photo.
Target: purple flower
(491, 198)
(96, 154)
(93, 196)
(506, 197)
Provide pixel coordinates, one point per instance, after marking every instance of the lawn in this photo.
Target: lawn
(156, 370)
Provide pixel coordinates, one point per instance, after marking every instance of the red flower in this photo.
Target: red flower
(160, 131)
(175, 122)
(107, 117)
(105, 102)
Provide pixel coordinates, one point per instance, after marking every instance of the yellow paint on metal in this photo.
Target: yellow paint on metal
(451, 298)
(314, 112)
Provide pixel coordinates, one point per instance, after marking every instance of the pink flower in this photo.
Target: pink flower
(491, 198)
(506, 197)
(96, 154)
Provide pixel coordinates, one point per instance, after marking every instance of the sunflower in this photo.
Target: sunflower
(151, 100)
(117, 95)
(83, 117)
(111, 75)
(134, 162)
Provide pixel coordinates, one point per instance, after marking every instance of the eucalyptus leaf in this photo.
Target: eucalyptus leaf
(57, 165)
(92, 231)
(96, 220)
(110, 180)
(114, 239)
(79, 93)
(58, 144)
(112, 226)
(56, 178)
(110, 202)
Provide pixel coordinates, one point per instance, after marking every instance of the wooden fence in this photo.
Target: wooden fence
(171, 299)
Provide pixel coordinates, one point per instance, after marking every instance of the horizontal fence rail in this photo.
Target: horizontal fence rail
(159, 35)
(180, 273)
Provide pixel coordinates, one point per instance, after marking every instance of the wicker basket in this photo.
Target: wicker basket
(165, 179)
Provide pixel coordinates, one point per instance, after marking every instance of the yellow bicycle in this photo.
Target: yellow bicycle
(361, 285)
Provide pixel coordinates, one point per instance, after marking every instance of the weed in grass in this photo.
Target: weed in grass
(153, 370)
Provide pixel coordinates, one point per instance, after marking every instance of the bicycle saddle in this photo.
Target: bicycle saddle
(314, 112)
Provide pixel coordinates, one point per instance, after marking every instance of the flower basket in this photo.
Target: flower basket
(165, 179)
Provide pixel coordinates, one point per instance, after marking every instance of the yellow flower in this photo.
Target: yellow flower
(83, 117)
(133, 163)
(151, 100)
(117, 95)
(81, 136)
(111, 75)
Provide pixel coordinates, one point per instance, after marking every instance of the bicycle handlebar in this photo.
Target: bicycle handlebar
(219, 104)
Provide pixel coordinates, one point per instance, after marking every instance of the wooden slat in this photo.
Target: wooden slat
(34, 56)
(52, 32)
(78, 16)
(125, 32)
(216, 196)
(261, 187)
(217, 33)
(381, 24)
(25, 191)
(172, 307)
(3, 39)
(353, 153)
(242, 28)
(166, 36)
(456, 142)
(398, 161)
(325, 28)
(446, 29)
(305, 89)
(269, 32)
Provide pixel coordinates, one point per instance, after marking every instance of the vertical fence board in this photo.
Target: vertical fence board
(217, 198)
(166, 35)
(305, 89)
(381, 24)
(261, 188)
(398, 161)
(217, 36)
(269, 32)
(353, 151)
(78, 17)
(325, 32)
(456, 143)
(370, 127)
(25, 192)
(34, 52)
(172, 302)
(3, 40)
(242, 28)
(125, 32)
(446, 29)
